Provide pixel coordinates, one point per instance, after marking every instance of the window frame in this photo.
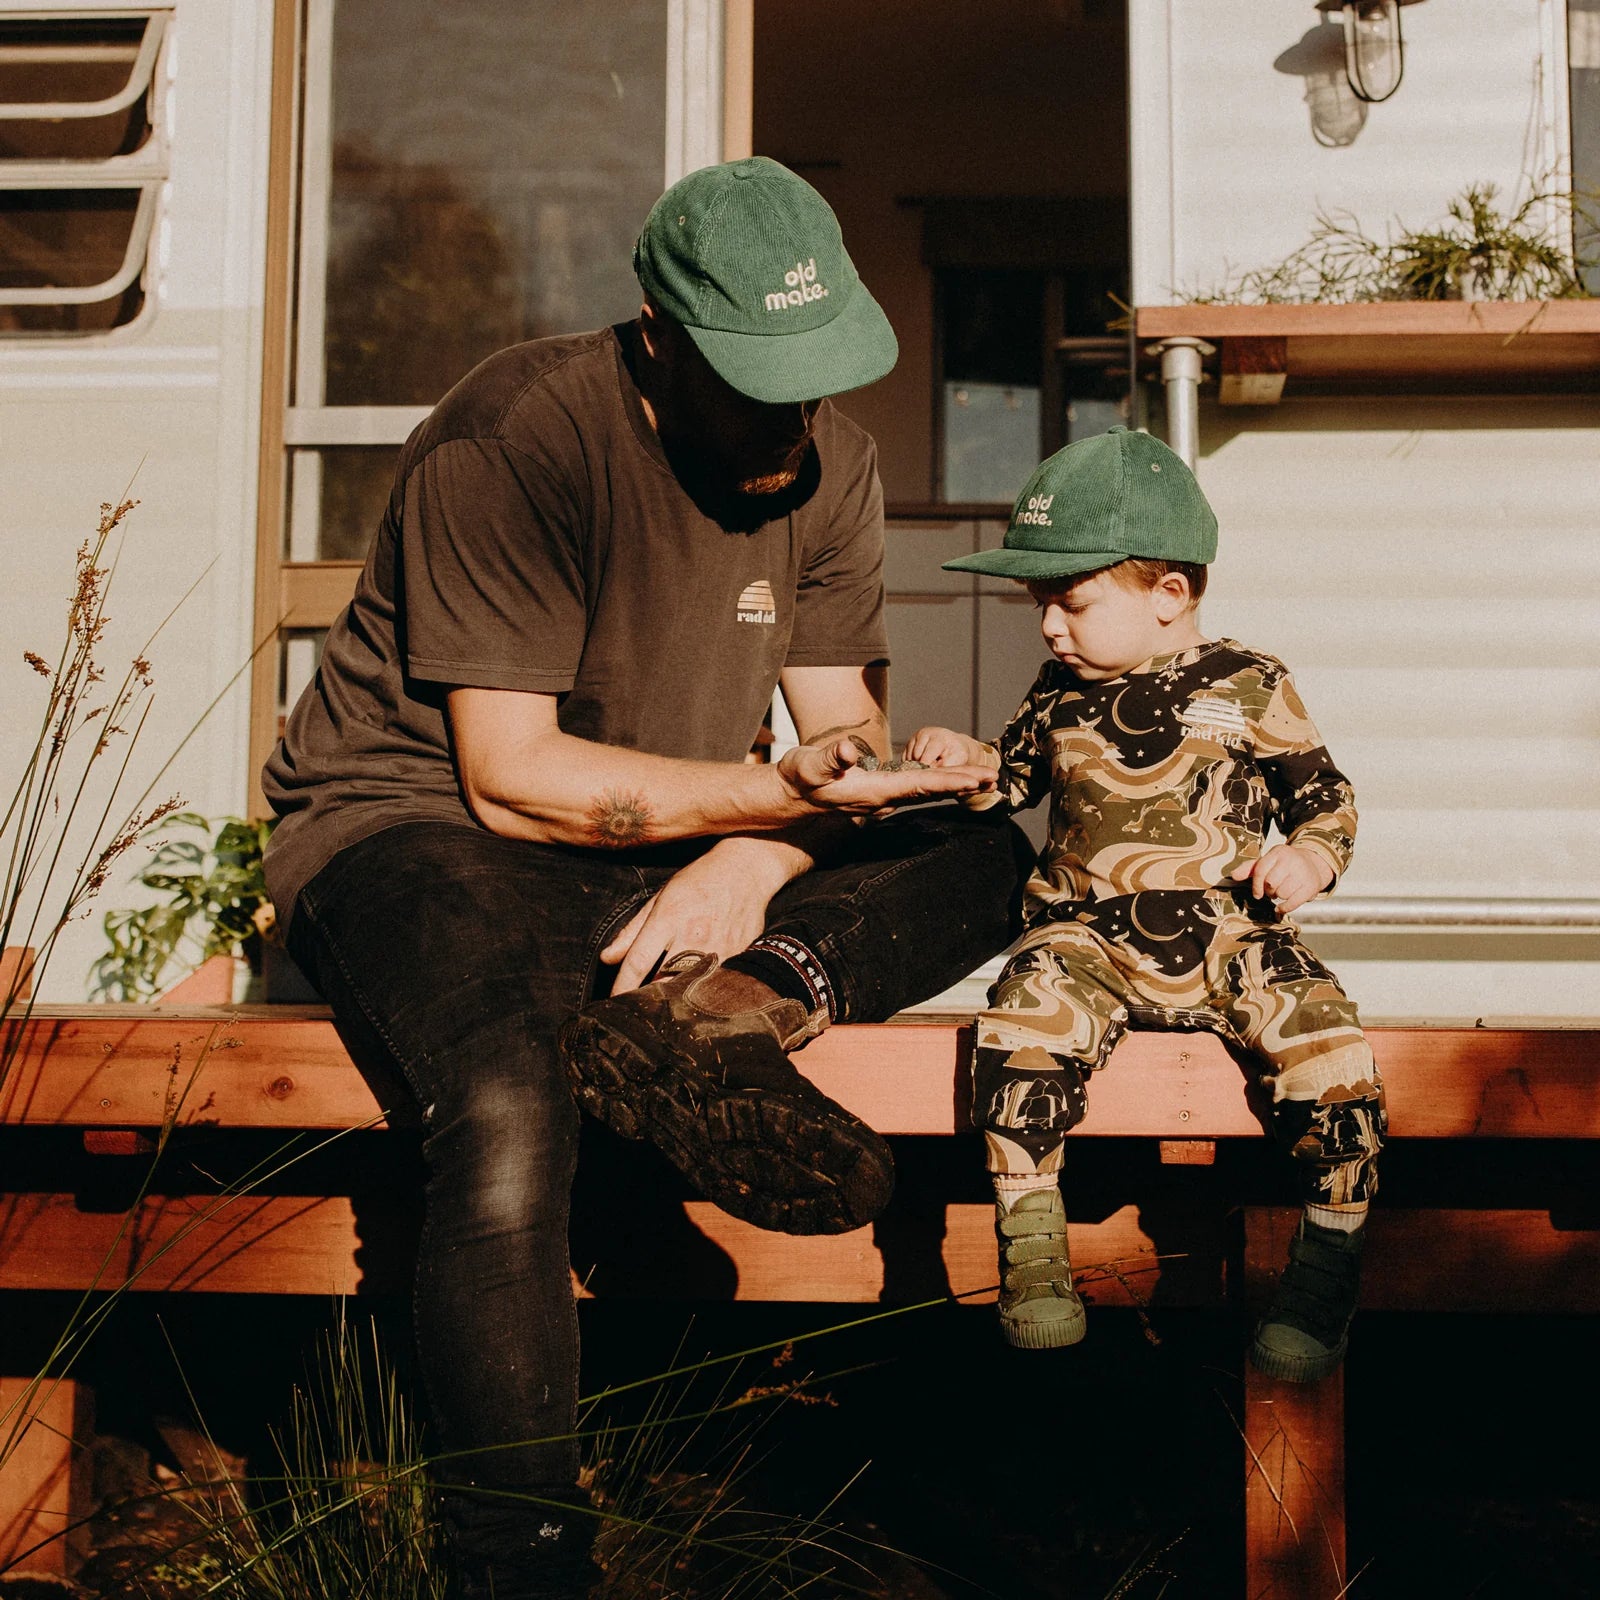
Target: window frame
(145, 169)
(707, 64)
(1583, 221)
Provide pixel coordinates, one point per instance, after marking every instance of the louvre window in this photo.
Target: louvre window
(83, 155)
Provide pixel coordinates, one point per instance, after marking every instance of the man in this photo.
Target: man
(521, 762)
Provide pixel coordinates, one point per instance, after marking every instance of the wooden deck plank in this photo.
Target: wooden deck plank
(127, 1066)
(1461, 342)
(255, 1244)
(130, 1067)
(1473, 1261)
(1486, 319)
(110, 1068)
(1113, 1255)
(314, 1245)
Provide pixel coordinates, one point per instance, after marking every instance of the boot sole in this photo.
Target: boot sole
(1296, 1369)
(765, 1158)
(1053, 1335)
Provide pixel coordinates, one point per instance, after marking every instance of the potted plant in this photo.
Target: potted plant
(1479, 252)
(213, 902)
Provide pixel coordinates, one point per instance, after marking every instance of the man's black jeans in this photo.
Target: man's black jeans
(451, 956)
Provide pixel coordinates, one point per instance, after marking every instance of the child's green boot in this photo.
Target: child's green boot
(1039, 1308)
(1305, 1333)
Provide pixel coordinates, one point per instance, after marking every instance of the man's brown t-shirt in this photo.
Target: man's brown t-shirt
(537, 538)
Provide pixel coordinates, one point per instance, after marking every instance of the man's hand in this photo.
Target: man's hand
(829, 778)
(944, 747)
(716, 903)
(1288, 875)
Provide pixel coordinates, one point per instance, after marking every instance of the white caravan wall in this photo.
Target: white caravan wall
(1227, 175)
(1429, 567)
(175, 399)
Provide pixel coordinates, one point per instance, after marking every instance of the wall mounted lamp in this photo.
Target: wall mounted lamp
(1374, 45)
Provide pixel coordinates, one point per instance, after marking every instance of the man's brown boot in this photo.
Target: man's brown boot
(717, 1093)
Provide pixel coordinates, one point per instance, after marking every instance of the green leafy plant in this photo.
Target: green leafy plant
(1479, 252)
(1485, 254)
(213, 895)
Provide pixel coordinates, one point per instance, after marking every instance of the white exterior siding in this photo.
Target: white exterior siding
(1434, 581)
(1430, 570)
(1429, 567)
(1227, 176)
(176, 399)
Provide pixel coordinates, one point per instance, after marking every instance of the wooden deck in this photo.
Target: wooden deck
(114, 1076)
(283, 1067)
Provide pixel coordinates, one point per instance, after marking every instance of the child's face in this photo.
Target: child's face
(1100, 626)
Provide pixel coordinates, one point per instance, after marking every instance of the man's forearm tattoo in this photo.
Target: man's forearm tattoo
(618, 821)
(828, 735)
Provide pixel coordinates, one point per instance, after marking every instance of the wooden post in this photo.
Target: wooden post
(738, 78)
(1253, 371)
(1294, 1454)
(273, 468)
(44, 1482)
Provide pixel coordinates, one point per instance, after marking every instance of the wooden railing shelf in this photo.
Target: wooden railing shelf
(1484, 345)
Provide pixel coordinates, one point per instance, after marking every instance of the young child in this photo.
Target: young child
(1164, 755)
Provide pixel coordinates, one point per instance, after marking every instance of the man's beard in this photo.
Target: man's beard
(776, 479)
(772, 482)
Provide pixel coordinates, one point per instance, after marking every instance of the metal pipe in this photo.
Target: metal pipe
(1180, 376)
(1384, 911)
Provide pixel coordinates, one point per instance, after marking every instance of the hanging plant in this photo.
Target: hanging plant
(1478, 253)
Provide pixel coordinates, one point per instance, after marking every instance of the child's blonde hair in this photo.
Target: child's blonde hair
(1148, 571)
(1137, 572)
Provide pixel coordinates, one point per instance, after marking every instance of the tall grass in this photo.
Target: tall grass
(673, 1490)
(67, 822)
(349, 1512)
(349, 1508)
(67, 818)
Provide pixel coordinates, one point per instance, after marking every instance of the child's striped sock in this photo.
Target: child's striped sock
(1346, 1218)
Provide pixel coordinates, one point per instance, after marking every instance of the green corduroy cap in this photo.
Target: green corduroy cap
(1100, 501)
(748, 257)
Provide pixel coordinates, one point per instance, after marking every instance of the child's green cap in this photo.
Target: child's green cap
(748, 257)
(1100, 501)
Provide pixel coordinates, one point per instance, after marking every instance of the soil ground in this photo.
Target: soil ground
(1039, 1477)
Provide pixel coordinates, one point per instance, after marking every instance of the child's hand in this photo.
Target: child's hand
(1288, 876)
(944, 747)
